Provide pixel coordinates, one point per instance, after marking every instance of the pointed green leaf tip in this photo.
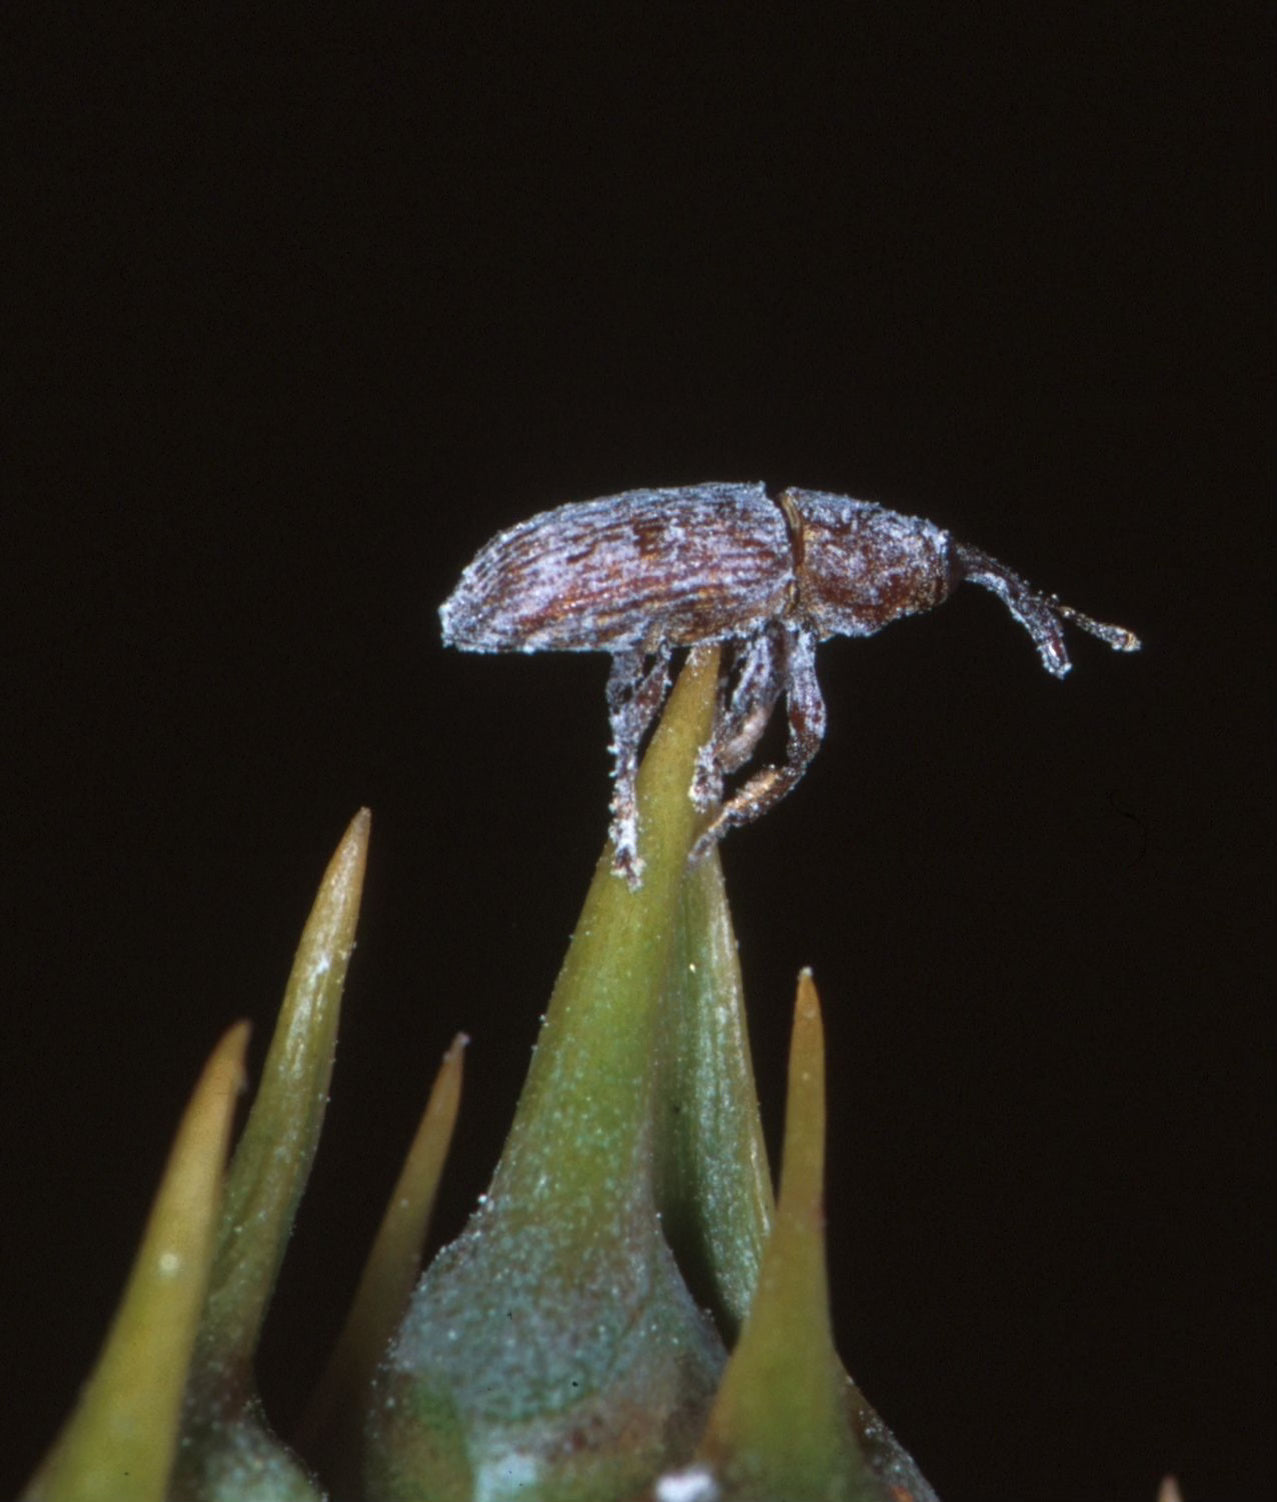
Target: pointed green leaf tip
(779, 1427)
(332, 1433)
(228, 1452)
(788, 1424)
(553, 1352)
(118, 1445)
(273, 1157)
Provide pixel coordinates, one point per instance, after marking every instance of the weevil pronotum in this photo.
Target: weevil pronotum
(642, 573)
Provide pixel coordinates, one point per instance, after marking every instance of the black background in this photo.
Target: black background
(309, 304)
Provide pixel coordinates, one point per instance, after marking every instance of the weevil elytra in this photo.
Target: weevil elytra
(642, 573)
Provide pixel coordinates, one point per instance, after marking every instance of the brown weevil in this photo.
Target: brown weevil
(642, 573)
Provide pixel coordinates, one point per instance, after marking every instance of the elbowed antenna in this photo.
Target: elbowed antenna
(1042, 616)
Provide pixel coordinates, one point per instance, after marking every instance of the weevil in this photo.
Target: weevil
(640, 574)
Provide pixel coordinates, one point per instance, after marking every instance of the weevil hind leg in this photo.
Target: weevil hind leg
(739, 724)
(635, 693)
(1042, 616)
(805, 707)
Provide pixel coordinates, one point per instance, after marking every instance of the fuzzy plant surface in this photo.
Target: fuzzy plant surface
(556, 1351)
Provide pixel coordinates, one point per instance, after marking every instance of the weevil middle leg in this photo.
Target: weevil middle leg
(794, 658)
(740, 722)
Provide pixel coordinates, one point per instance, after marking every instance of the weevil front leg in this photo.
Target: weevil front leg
(634, 694)
(739, 726)
(796, 672)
